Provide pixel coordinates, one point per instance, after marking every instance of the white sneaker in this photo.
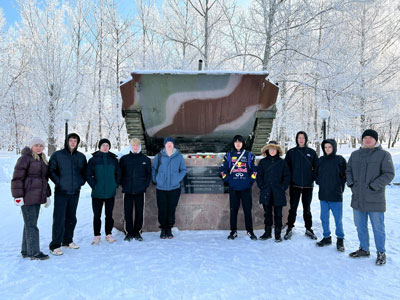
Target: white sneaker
(72, 246)
(96, 240)
(110, 239)
(57, 252)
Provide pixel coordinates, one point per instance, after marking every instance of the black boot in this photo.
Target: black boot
(252, 235)
(340, 244)
(278, 231)
(137, 236)
(267, 234)
(381, 258)
(163, 234)
(169, 233)
(232, 235)
(324, 242)
(360, 253)
(39, 256)
(288, 233)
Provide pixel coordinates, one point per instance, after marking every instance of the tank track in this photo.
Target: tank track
(134, 127)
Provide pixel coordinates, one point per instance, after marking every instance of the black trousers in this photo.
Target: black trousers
(234, 202)
(306, 197)
(64, 219)
(130, 201)
(167, 201)
(97, 206)
(268, 209)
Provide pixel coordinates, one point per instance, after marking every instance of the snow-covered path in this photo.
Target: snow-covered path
(196, 264)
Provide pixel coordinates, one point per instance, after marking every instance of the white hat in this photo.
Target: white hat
(36, 141)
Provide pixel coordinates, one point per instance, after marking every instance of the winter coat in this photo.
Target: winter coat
(103, 174)
(331, 174)
(303, 165)
(30, 179)
(169, 174)
(244, 172)
(368, 172)
(273, 177)
(135, 173)
(68, 170)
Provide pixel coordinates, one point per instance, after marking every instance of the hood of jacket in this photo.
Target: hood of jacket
(73, 135)
(334, 146)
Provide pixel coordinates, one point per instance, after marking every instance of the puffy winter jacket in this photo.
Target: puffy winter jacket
(135, 173)
(331, 175)
(68, 170)
(103, 174)
(169, 174)
(243, 173)
(273, 178)
(368, 172)
(30, 179)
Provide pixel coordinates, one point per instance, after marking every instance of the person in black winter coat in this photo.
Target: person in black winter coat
(331, 180)
(103, 176)
(303, 165)
(135, 179)
(273, 178)
(67, 168)
(238, 169)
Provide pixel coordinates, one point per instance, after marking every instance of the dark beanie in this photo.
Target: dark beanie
(370, 132)
(273, 143)
(102, 141)
(169, 139)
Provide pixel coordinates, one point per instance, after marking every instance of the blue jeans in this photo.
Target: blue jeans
(378, 226)
(337, 211)
(30, 235)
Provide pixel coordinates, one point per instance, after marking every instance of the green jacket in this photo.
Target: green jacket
(103, 174)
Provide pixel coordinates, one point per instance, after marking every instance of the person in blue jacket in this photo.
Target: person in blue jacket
(273, 179)
(168, 171)
(103, 176)
(238, 169)
(303, 165)
(331, 180)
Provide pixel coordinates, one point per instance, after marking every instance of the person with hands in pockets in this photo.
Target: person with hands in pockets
(238, 169)
(30, 189)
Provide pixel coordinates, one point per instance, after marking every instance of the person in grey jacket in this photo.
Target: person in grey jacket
(368, 172)
(168, 171)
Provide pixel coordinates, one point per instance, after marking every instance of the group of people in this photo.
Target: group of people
(367, 172)
(69, 170)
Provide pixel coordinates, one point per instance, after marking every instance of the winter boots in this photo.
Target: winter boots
(340, 245)
(252, 235)
(278, 231)
(163, 234)
(324, 242)
(137, 236)
(267, 234)
(233, 235)
(42, 256)
(381, 258)
(310, 233)
(359, 253)
(288, 234)
(169, 233)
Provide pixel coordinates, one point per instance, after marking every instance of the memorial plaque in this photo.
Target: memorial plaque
(203, 180)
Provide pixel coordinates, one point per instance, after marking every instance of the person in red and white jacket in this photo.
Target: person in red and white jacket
(238, 169)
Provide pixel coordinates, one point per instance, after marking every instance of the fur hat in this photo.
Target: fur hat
(370, 132)
(272, 145)
(106, 141)
(169, 139)
(36, 141)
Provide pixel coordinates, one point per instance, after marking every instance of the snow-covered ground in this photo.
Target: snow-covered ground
(196, 264)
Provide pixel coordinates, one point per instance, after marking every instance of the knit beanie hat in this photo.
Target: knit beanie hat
(370, 132)
(36, 141)
(169, 139)
(102, 141)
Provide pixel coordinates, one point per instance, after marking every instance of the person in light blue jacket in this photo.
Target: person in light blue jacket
(168, 171)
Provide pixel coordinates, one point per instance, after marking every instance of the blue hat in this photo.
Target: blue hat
(169, 139)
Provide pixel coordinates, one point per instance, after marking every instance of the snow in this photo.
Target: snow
(195, 264)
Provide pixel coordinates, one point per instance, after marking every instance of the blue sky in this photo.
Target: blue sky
(10, 11)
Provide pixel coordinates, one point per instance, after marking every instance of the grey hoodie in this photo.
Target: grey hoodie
(368, 172)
